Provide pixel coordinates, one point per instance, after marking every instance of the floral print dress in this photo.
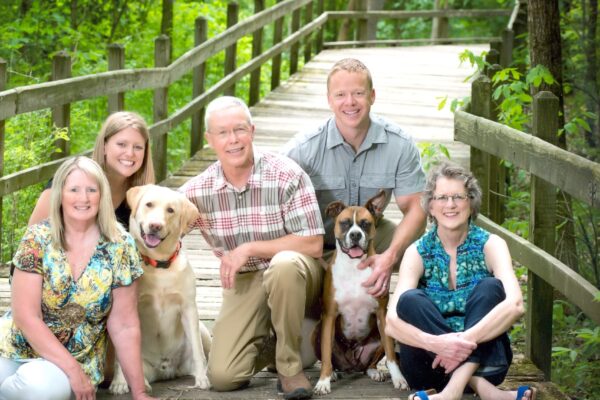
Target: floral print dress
(75, 311)
(470, 270)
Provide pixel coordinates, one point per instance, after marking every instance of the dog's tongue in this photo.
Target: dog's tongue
(355, 252)
(151, 240)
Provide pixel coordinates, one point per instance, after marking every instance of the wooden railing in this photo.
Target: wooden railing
(551, 167)
(59, 94)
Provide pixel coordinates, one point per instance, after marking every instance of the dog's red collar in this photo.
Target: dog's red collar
(162, 264)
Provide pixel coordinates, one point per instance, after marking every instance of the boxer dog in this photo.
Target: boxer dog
(352, 328)
(174, 341)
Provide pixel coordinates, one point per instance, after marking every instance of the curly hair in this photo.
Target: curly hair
(452, 171)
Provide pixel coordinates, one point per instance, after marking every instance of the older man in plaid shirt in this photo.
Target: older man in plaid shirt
(260, 215)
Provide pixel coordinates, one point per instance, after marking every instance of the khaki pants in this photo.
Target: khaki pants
(276, 298)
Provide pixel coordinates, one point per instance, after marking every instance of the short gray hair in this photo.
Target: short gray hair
(222, 103)
(452, 171)
(107, 222)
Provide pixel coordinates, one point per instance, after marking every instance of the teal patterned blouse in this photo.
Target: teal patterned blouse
(75, 311)
(470, 269)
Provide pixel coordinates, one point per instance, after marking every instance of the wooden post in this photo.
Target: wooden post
(276, 63)
(481, 90)
(320, 9)
(542, 228)
(116, 61)
(376, 5)
(497, 170)
(295, 46)
(508, 38)
(3, 80)
(439, 25)
(61, 69)
(254, 94)
(492, 57)
(197, 133)
(160, 108)
(362, 24)
(230, 52)
(308, 17)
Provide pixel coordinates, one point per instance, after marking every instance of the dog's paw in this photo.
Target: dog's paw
(376, 374)
(334, 376)
(323, 386)
(397, 378)
(118, 386)
(202, 382)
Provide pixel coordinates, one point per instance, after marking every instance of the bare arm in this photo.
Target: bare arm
(408, 230)
(42, 208)
(507, 312)
(451, 347)
(235, 259)
(27, 314)
(124, 329)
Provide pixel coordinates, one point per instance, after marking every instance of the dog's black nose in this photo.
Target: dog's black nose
(355, 236)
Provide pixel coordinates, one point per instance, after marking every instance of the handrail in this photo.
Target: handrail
(26, 99)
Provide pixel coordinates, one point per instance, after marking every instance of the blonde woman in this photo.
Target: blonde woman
(123, 151)
(74, 282)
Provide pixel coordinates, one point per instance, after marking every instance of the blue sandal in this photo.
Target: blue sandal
(521, 392)
(422, 394)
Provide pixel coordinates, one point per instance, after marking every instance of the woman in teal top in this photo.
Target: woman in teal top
(456, 298)
(75, 280)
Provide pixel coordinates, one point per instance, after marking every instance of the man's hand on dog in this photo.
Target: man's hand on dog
(231, 263)
(379, 281)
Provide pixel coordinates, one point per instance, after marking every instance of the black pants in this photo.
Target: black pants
(416, 308)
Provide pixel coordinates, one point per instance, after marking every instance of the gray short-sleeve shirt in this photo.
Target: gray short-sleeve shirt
(387, 159)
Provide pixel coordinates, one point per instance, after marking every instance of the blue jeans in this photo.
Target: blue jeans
(416, 308)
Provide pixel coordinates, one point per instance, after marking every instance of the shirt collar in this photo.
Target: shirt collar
(375, 134)
(254, 179)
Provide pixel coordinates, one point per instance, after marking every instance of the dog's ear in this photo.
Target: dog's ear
(133, 197)
(189, 215)
(376, 204)
(334, 209)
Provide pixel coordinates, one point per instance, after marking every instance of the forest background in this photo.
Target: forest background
(33, 31)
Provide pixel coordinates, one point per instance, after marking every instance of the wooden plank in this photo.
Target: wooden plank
(532, 154)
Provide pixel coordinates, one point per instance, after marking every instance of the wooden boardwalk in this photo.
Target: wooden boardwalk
(409, 83)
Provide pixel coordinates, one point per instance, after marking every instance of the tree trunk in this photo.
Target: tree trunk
(543, 22)
(592, 101)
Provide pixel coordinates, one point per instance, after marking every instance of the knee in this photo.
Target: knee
(408, 302)
(223, 379)
(491, 288)
(285, 265)
(38, 379)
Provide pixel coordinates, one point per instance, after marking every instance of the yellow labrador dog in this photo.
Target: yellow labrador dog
(174, 342)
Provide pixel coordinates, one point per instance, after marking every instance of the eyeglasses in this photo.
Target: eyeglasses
(237, 131)
(456, 198)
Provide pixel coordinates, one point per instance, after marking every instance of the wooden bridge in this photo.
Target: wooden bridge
(409, 81)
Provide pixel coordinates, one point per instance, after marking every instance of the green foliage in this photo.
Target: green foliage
(576, 357)
(432, 154)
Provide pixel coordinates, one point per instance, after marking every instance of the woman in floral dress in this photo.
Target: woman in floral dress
(456, 298)
(74, 281)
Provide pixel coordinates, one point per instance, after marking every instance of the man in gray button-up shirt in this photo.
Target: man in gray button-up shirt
(354, 155)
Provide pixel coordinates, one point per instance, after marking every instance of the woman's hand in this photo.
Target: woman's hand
(81, 385)
(451, 350)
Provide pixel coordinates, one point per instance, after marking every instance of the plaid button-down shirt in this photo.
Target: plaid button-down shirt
(278, 200)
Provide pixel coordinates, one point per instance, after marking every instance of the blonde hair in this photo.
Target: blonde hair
(106, 220)
(350, 65)
(114, 124)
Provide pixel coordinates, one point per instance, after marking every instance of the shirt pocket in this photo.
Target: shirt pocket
(370, 184)
(330, 188)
